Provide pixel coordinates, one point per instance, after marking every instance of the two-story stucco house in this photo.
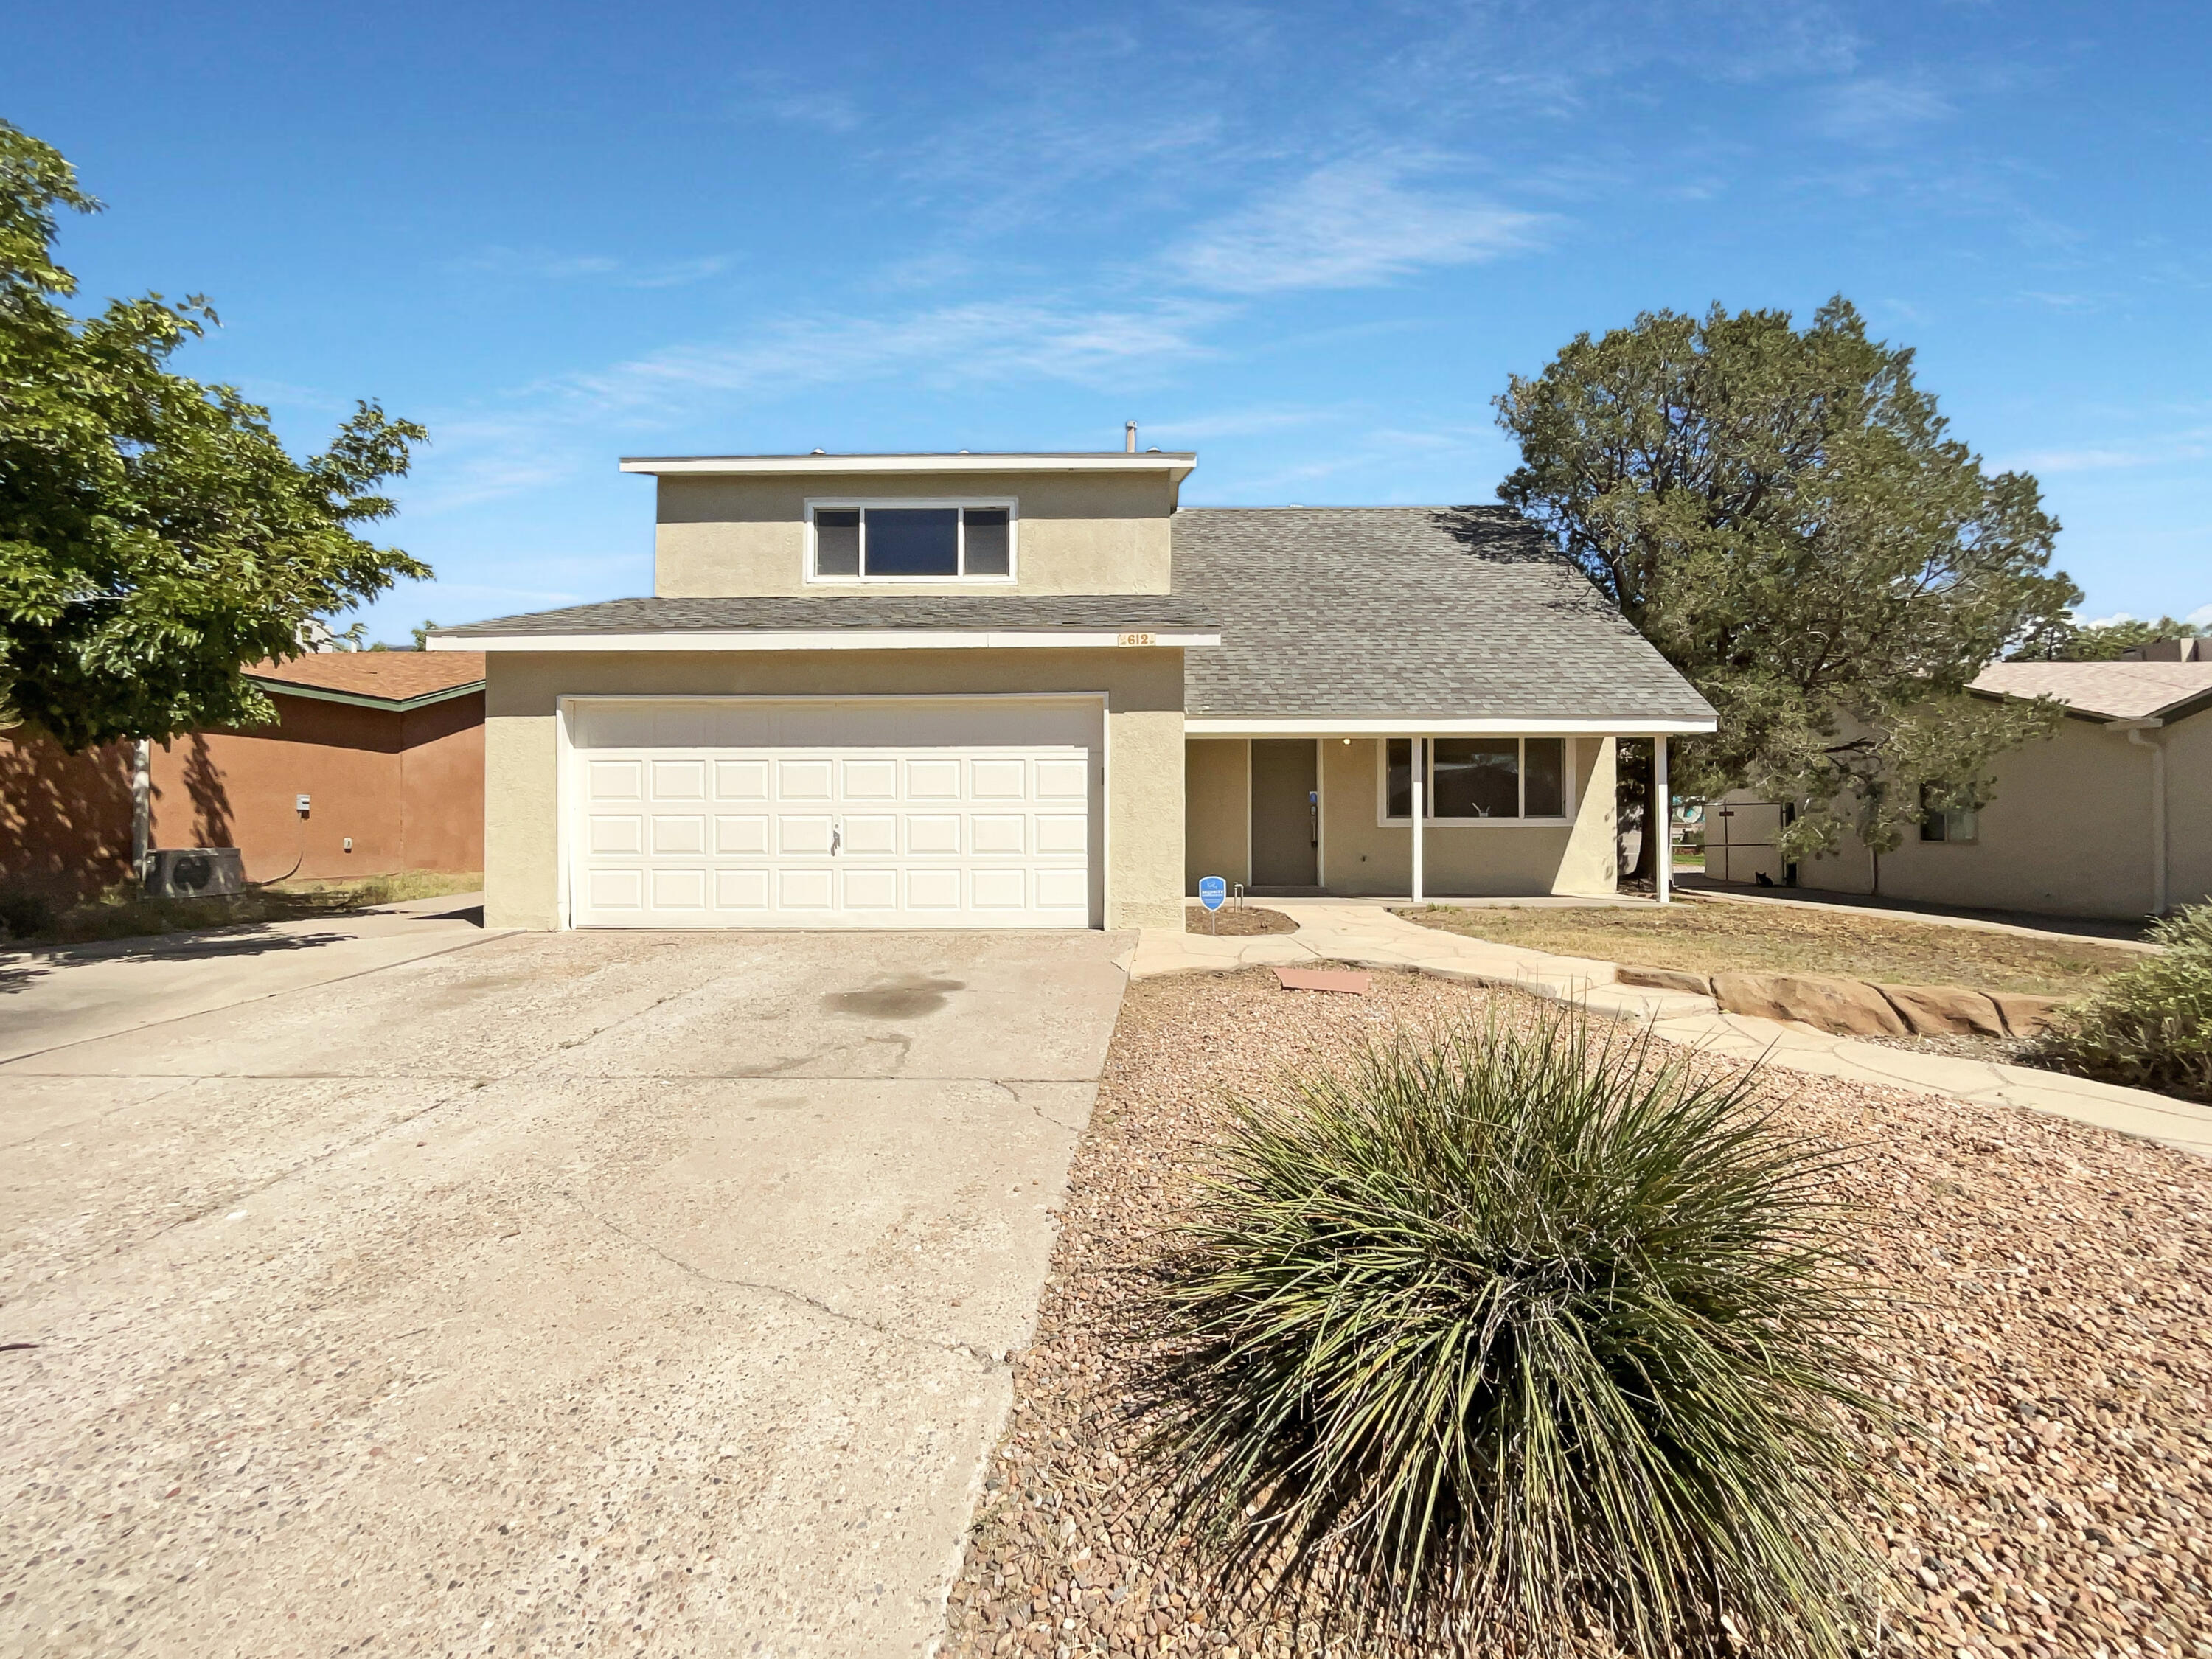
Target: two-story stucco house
(1028, 691)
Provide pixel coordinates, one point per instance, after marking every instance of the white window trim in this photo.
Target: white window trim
(846, 502)
(1569, 790)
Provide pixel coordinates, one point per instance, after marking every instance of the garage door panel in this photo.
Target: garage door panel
(609, 833)
(1000, 832)
(871, 890)
(999, 890)
(745, 779)
(867, 833)
(1062, 833)
(933, 780)
(741, 835)
(811, 779)
(617, 780)
(1062, 780)
(684, 833)
(932, 890)
(1063, 890)
(805, 890)
(803, 833)
(870, 779)
(616, 889)
(928, 833)
(741, 890)
(930, 814)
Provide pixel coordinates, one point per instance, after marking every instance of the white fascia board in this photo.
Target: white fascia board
(1177, 462)
(1427, 725)
(840, 639)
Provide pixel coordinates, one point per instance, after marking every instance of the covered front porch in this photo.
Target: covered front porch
(1460, 809)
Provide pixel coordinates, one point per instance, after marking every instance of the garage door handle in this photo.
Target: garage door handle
(836, 836)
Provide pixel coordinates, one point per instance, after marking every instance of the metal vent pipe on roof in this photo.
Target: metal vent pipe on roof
(1129, 438)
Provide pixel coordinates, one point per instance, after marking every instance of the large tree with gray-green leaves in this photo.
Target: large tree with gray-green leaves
(1785, 515)
(155, 536)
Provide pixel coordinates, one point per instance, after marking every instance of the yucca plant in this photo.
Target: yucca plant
(1524, 1339)
(2149, 1027)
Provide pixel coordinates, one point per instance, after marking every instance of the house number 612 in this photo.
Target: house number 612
(1134, 638)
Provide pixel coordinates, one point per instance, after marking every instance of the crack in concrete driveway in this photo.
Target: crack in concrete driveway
(573, 1292)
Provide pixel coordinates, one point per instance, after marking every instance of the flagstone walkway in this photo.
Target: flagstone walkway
(1369, 934)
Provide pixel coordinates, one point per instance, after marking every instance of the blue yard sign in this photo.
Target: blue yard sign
(1212, 892)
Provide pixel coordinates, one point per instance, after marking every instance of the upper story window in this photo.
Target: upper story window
(1477, 779)
(911, 541)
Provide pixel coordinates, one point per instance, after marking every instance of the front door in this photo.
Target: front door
(1285, 813)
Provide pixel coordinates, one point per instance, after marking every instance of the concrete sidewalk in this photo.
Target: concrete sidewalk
(54, 995)
(1370, 935)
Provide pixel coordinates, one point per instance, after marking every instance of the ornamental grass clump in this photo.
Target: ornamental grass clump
(2149, 1027)
(1515, 1338)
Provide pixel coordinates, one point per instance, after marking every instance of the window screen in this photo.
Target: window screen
(1476, 778)
(1543, 777)
(990, 551)
(1398, 791)
(837, 541)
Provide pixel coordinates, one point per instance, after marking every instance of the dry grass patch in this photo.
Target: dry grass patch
(1714, 936)
(2053, 1282)
(29, 918)
(1229, 923)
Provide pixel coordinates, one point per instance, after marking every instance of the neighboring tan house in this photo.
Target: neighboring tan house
(387, 746)
(1026, 690)
(2110, 817)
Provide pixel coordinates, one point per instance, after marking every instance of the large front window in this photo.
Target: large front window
(867, 542)
(1476, 780)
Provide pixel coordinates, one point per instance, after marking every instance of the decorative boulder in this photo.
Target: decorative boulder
(2025, 1016)
(1843, 1006)
(1945, 1011)
(1665, 979)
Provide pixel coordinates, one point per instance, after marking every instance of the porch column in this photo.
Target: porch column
(1662, 811)
(1413, 754)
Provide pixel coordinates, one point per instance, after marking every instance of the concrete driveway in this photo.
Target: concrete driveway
(582, 1293)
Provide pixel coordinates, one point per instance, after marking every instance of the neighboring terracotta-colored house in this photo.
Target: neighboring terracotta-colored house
(386, 746)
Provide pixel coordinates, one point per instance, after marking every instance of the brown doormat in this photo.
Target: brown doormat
(1322, 979)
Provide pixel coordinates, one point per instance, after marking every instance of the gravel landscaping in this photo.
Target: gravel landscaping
(2053, 1288)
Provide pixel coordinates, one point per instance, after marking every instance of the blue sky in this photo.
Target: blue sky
(1309, 241)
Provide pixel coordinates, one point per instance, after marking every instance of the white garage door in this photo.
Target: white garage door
(741, 812)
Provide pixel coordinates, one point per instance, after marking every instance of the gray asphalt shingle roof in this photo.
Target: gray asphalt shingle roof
(989, 612)
(1384, 611)
(1343, 611)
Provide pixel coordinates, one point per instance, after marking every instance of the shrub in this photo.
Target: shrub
(2151, 1026)
(1528, 1341)
(26, 909)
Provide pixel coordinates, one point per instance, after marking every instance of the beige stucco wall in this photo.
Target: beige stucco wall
(1217, 792)
(1360, 856)
(1144, 828)
(2189, 809)
(1074, 532)
(2068, 834)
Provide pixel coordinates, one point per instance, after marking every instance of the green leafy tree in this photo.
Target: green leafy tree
(2072, 642)
(154, 535)
(1783, 514)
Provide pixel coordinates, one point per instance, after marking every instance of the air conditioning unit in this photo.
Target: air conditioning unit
(194, 872)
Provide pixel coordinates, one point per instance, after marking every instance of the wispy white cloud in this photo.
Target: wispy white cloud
(1880, 109)
(1353, 223)
(2192, 445)
(2200, 618)
(538, 264)
(983, 341)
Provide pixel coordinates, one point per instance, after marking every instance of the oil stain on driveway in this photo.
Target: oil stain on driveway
(567, 1293)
